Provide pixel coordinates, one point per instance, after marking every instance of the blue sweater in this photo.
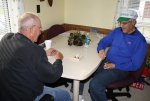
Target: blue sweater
(127, 51)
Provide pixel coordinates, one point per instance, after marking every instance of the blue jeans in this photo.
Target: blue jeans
(58, 94)
(102, 79)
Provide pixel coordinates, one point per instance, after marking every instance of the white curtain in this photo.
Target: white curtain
(16, 8)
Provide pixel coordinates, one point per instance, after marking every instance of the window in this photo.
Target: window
(10, 10)
(143, 9)
(146, 13)
(4, 18)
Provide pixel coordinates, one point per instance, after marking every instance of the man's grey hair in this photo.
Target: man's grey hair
(27, 20)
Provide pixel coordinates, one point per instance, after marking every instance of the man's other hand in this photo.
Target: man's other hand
(58, 55)
(109, 66)
(51, 52)
(102, 54)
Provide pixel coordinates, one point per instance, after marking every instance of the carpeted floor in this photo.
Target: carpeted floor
(136, 94)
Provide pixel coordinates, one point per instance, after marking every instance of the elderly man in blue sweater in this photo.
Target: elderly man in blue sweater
(126, 53)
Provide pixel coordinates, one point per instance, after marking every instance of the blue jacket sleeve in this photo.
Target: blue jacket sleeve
(105, 42)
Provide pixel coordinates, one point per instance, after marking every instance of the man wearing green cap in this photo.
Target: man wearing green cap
(126, 53)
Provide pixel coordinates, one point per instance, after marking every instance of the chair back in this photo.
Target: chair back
(133, 77)
(55, 30)
(137, 74)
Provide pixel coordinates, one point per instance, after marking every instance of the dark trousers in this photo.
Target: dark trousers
(102, 79)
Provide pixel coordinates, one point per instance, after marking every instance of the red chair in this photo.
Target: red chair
(125, 83)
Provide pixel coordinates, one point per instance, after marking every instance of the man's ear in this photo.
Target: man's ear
(133, 22)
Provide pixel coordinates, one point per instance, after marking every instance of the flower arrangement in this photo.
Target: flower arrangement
(77, 39)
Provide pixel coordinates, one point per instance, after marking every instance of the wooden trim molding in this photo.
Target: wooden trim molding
(85, 28)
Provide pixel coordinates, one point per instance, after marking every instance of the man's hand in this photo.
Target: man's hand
(58, 55)
(51, 52)
(55, 53)
(102, 54)
(109, 66)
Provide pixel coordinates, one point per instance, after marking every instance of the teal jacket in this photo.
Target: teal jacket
(127, 51)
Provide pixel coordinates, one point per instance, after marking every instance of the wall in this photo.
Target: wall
(96, 13)
(48, 15)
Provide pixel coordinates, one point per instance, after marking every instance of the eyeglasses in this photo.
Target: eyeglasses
(40, 28)
(124, 23)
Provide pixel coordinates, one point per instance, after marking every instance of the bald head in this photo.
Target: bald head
(29, 26)
(27, 20)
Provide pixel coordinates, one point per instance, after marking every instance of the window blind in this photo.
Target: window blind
(4, 18)
(134, 4)
(146, 13)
